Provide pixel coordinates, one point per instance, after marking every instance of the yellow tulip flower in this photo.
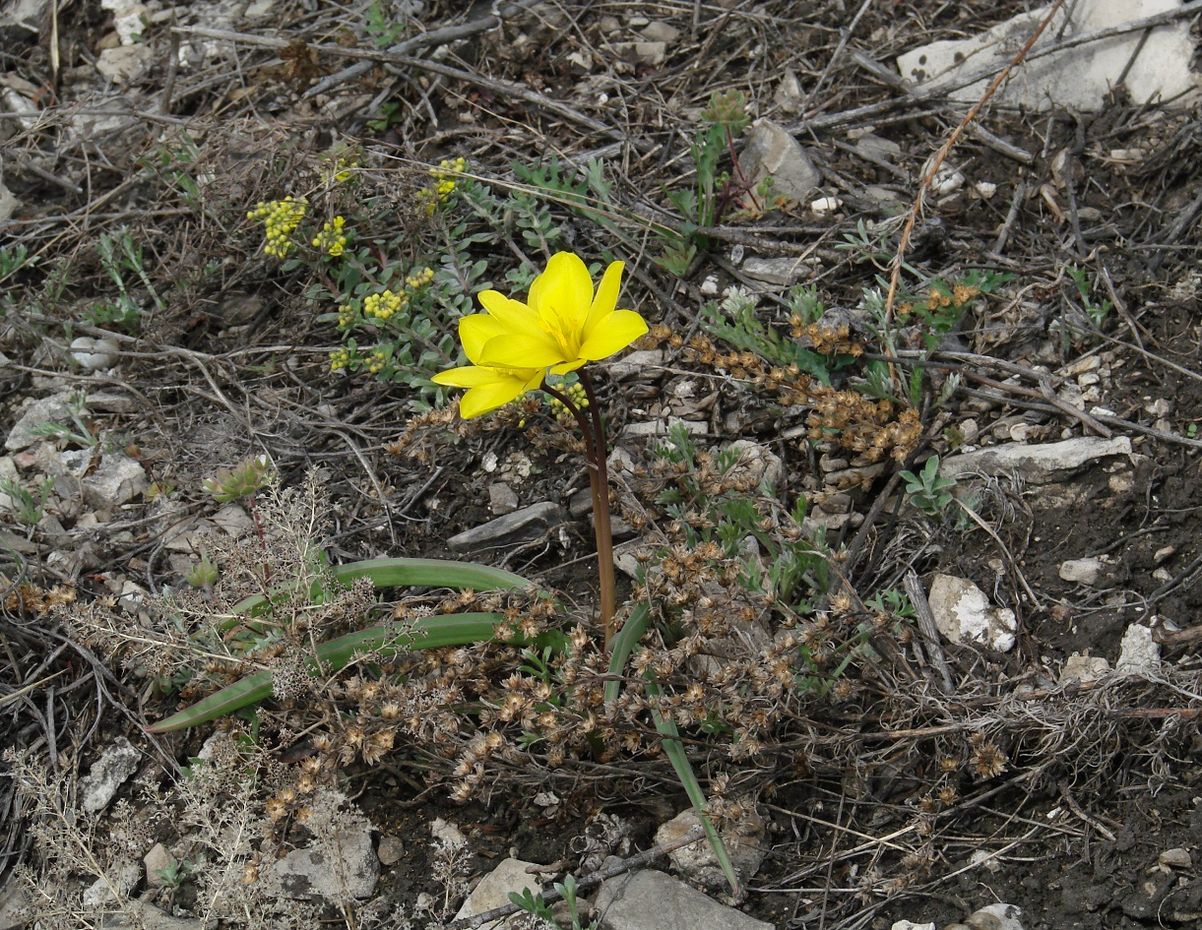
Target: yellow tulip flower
(564, 324)
(488, 387)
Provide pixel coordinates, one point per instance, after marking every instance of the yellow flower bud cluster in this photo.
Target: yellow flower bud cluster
(346, 315)
(280, 219)
(378, 361)
(576, 394)
(444, 184)
(420, 278)
(332, 238)
(342, 358)
(343, 168)
(384, 305)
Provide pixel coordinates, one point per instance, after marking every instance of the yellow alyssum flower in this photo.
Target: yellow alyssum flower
(384, 305)
(487, 387)
(332, 237)
(563, 323)
(280, 218)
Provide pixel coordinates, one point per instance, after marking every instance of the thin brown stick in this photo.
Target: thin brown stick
(937, 161)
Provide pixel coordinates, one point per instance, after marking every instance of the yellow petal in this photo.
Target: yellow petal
(607, 296)
(486, 397)
(563, 294)
(511, 313)
(475, 330)
(567, 366)
(510, 351)
(469, 376)
(614, 332)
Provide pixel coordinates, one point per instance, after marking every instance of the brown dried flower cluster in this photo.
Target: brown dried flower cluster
(846, 418)
(871, 428)
(826, 340)
(937, 300)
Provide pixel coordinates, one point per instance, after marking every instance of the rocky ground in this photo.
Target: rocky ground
(906, 472)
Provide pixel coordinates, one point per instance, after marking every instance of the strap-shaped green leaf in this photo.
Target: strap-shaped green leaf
(401, 573)
(621, 647)
(426, 633)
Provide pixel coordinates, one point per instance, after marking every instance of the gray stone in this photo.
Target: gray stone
(1036, 464)
(636, 364)
(510, 875)
(502, 499)
(624, 558)
(1139, 653)
(1082, 571)
(772, 152)
(116, 764)
(821, 519)
(860, 475)
(14, 902)
(124, 63)
(745, 842)
(132, 596)
(996, 917)
(657, 31)
(188, 537)
(1079, 667)
(9, 203)
(234, 519)
(156, 862)
(17, 543)
(37, 413)
(651, 900)
(661, 427)
(645, 52)
(95, 354)
(963, 613)
(117, 481)
(781, 271)
(21, 17)
(788, 94)
(875, 148)
(114, 885)
(391, 850)
(651, 53)
(1176, 858)
(824, 205)
(759, 463)
(8, 473)
(525, 525)
(947, 180)
(1078, 78)
(910, 925)
(150, 917)
(112, 402)
(336, 868)
(882, 198)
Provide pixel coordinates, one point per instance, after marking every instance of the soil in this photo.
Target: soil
(882, 806)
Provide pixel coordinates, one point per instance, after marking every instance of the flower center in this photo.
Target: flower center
(561, 327)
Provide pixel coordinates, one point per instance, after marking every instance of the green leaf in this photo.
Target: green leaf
(399, 573)
(674, 750)
(426, 633)
(622, 646)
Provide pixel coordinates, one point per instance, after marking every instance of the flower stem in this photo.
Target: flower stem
(601, 524)
(593, 432)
